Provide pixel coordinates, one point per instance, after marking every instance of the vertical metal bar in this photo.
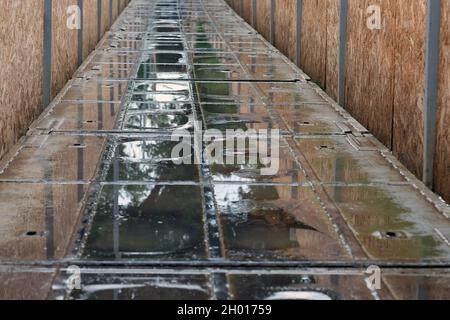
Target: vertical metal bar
(47, 56)
(431, 88)
(80, 32)
(254, 13)
(298, 37)
(342, 50)
(111, 19)
(272, 21)
(99, 19)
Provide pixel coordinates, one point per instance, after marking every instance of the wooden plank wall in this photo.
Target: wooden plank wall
(21, 57)
(409, 83)
(370, 68)
(116, 9)
(90, 36)
(285, 27)
(313, 40)
(247, 11)
(21, 48)
(263, 17)
(105, 15)
(320, 36)
(64, 46)
(442, 156)
(384, 87)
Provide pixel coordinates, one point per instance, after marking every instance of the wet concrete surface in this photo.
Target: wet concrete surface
(94, 184)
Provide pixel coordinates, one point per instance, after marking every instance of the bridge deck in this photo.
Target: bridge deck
(92, 184)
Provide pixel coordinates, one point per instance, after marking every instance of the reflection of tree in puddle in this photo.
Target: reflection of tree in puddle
(151, 221)
(148, 160)
(156, 121)
(257, 219)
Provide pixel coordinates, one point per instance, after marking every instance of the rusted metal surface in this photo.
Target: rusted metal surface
(91, 185)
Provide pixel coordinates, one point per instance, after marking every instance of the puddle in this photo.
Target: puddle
(206, 58)
(336, 159)
(163, 71)
(149, 160)
(284, 168)
(146, 121)
(148, 221)
(162, 86)
(393, 222)
(170, 106)
(299, 287)
(165, 58)
(274, 222)
(227, 92)
(150, 287)
(219, 72)
(241, 121)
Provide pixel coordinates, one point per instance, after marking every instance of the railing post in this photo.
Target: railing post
(272, 21)
(431, 88)
(47, 55)
(80, 32)
(298, 37)
(342, 50)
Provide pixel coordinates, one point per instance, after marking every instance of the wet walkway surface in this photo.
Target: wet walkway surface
(93, 184)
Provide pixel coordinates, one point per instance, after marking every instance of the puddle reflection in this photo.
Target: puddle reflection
(148, 221)
(149, 160)
(275, 222)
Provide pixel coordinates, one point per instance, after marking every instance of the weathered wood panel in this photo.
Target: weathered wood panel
(442, 158)
(409, 80)
(105, 16)
(21, 38)
(90, 35)
(115, 9)
(285, 27)
(263, 17)
(247, 11)
(314, 40)
(64, 46)
(21, 58)
(370, 67)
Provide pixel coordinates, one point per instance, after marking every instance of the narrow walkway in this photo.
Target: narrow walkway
(93, 184)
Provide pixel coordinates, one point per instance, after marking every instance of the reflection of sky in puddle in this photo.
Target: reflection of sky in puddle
(160, 97)
(161, 86)
(232, 193)
(172, 86)
(126, 198)
(157, 121)
(171, 75)
(139, 149)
